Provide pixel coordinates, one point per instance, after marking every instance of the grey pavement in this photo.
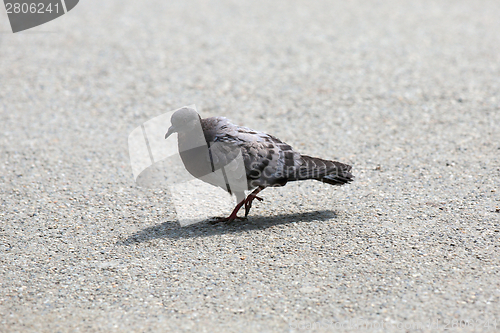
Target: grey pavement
(408, 92)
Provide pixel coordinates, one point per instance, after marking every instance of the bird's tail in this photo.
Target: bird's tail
(330, 172)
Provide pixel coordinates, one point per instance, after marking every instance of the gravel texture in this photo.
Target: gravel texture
(406, 91)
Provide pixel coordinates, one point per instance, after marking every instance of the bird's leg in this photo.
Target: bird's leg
(248, 204)
(233, 215)
(250, 198)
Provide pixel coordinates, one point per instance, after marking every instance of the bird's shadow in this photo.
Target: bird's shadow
(173, 230)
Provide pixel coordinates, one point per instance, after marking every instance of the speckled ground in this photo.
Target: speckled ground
(407, 92)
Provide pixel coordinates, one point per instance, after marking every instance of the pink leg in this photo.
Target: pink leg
(233, 215)
(248, 204)
(250, 198)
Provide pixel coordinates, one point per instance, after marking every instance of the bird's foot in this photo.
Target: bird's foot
(227, 220)
(248, 203)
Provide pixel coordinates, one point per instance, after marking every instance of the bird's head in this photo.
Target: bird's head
(183, 120)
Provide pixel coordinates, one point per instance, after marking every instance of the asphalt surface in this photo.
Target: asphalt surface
(407, 92)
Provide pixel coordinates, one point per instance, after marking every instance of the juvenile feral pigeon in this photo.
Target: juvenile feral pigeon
(210, 144)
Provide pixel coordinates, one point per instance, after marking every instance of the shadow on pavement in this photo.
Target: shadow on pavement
(204, 229)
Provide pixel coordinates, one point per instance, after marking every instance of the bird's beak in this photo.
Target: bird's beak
(170, 131)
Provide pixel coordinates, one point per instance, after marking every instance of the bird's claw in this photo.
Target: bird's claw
(248, 203)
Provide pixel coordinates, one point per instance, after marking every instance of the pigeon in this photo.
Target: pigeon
(267, 161)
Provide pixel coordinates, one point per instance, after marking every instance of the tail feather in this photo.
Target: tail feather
(330, 172)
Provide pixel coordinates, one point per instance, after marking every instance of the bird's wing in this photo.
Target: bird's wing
(267, 159)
